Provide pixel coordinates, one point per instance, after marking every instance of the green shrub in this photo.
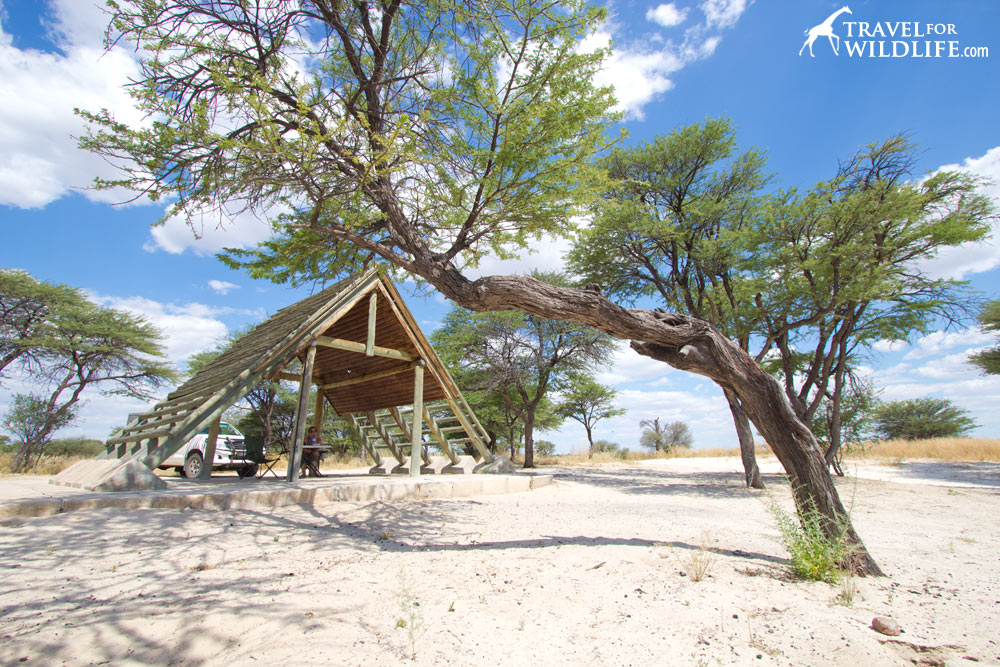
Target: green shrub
(82, 447)
(815, 555)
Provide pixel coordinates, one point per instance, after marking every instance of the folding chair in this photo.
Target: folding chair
(255, 454)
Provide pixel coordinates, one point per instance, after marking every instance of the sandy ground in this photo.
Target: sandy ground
(591, 570)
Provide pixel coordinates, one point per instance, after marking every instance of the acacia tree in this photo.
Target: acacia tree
(521, 357)
(75, 345)
(587, 401)
(424, 134)
(672, 225)
(845, 257)
(921, 418)
(662, 437)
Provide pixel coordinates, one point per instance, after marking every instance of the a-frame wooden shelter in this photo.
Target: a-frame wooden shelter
(360, 346)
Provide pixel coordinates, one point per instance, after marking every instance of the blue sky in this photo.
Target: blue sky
(673, 64)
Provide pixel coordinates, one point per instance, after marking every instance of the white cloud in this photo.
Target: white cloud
(885, 346)
(666, 15)
(39, 161)
(939, 341)
(222, 286)
(187, 329)
(640, 68)
(546, 254)
(628, 366)
(970, 258)
(209, 233)
(723, 13)
(950, 367)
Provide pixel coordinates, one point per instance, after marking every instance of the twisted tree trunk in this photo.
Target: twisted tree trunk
(686, 343)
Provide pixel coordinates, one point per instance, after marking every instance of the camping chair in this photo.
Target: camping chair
(255, 448)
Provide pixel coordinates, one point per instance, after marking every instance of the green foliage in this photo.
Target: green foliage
(673, 225)
(73, 344)
(27, 308)
(989, 359)
(476, 121)
(857, 412)
(605, 446)
(588, 402)
(663, 437)
(921, 418)
(79, 447)
(816, 555)
(545, 448)
(30, 420)
(515, 359)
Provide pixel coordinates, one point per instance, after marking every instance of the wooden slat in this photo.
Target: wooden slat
(372, 305)
(369, 377)
(352, 346)
(380, 429)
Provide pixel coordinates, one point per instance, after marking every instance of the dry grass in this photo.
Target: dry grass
(580, 458)
(48, 465)
(939, 449)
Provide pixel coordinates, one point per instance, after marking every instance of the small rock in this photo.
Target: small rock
(886, 626)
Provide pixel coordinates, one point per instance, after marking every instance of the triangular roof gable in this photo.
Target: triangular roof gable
(263, 352)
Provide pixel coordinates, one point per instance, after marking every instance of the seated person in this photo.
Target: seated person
(311, 457)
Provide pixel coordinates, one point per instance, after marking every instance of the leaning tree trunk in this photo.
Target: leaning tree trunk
(684, 342)
(751, 472)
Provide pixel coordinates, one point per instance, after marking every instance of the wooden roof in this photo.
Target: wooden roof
(356, 372)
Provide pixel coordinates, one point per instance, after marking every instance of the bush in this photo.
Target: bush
(605, 446)
(545, 448)
(815, 555)
(921, 418)
(82, 447)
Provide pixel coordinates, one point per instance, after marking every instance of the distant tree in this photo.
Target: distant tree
(588, 402)
(78, 344)
(664, 436)
(545, 448)
(520, 356)
(989, 319)
(921, 418)
(605, 446)
(30, 421)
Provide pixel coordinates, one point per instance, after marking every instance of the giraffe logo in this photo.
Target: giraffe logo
(825, 29)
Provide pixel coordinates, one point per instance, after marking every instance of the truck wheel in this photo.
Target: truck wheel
(193, 465)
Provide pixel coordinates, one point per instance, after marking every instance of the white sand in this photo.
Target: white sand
(585, 571)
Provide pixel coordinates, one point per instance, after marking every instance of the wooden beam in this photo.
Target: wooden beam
(137, 436)
(370, 376)
(384, 434)
(352, 421)
(372, 304)
(352, 346)
(318, 411)
(299, 432)
(441, 440)
(209, 458)
(416, 429)
(291, 377)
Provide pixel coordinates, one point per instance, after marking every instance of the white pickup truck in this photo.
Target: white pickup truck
(230, 454)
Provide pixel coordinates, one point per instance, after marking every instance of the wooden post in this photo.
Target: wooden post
(299, 430)
(318, 410)
(213, 437)
(417, 426)
(372, 304)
